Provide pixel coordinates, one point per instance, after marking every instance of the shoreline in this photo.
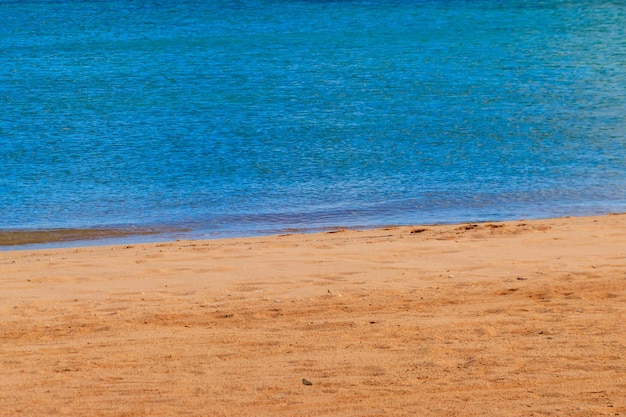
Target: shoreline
(502, 318)
(52, 238)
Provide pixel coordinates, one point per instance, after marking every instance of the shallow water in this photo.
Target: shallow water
(233, 118)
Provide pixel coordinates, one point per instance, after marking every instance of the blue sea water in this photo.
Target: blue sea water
(242, 117)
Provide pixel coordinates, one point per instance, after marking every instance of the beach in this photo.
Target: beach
(519, 318)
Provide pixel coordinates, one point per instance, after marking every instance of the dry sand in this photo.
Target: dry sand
(523, 318)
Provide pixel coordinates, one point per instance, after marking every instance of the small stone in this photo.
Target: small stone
(306, 381)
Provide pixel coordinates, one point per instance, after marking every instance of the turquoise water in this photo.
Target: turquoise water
(232, 118)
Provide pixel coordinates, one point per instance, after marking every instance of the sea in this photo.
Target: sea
(162, 119)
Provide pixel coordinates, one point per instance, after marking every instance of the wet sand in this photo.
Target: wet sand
(21, 238)
(523, 318)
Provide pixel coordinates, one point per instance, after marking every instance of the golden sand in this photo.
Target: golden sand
(523, 318)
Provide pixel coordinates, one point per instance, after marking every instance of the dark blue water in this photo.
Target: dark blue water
(245, 117)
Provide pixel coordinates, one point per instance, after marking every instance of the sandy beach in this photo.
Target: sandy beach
(522, 318)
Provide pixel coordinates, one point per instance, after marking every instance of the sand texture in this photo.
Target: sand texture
(523, 318)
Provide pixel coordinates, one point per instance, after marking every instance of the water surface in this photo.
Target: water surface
(235, 118)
